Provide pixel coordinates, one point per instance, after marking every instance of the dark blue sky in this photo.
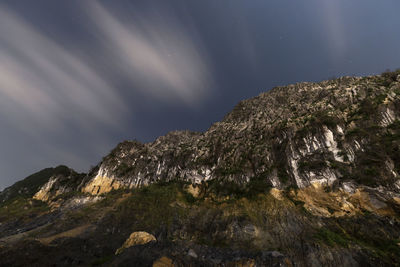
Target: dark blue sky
(77, 77)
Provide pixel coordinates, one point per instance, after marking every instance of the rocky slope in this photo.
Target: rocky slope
(290, 136)
(306, 174)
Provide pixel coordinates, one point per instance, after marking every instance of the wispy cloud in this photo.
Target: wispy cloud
(160, 55)
(335, 29)
(42, 84)
(65, 105)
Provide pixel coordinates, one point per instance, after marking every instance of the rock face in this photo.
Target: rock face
(302, 175)
(101, 183)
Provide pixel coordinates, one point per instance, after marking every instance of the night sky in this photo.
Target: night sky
(77, 77)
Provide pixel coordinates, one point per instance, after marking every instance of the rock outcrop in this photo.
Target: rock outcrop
(136, 238)
(328, 133)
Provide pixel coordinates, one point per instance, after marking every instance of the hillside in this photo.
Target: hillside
(306, 174)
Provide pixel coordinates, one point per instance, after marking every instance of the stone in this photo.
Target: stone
(192, 253)
(136, 238)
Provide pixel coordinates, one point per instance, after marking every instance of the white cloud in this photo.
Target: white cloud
(42, 83)
(58, 106)
(164, 60)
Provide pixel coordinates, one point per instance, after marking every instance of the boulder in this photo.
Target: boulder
(136, 238)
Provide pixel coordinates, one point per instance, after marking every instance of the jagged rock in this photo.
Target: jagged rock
(290, 136)
(302, 175)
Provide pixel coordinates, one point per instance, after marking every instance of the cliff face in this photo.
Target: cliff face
(306, 174)
(334, 132)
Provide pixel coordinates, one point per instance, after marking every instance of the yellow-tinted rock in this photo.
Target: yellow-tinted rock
(101, 184)
(163, 262)
(276, 193)
(339, 203)
(45, 193)
(136, 238)
(193, 190)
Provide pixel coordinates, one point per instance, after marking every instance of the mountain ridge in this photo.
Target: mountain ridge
(283, 179)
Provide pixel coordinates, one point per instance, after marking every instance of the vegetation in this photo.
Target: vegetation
(388, 77)
(21, 209)
(123, 169)
(223, 188)
(331, 238)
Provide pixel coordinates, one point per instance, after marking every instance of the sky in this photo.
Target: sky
(78, 77)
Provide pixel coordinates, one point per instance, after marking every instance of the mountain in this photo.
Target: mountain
(301, 175)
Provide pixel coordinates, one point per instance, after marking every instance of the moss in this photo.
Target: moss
(331, 238)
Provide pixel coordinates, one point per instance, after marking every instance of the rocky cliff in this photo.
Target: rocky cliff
(331, 132)
(306, 174)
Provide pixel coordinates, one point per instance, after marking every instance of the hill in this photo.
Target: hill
(306, 175)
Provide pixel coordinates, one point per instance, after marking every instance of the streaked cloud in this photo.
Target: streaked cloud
(162, 58)
(332, 18)
(66, 104)
(42, 84)
(76, 77)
